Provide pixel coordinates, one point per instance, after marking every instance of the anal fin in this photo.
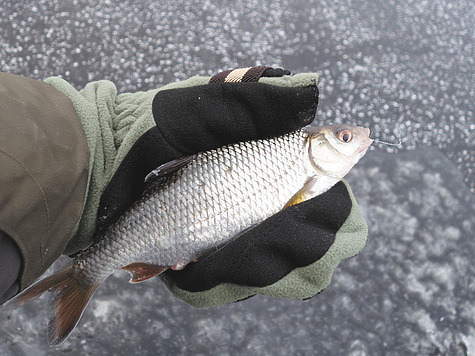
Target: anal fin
(141, 271)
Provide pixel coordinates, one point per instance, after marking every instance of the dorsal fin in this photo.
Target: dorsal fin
(158, 175)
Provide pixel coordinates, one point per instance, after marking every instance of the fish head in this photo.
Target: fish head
(334, 150)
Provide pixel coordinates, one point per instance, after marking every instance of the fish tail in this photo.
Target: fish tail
(72, 296)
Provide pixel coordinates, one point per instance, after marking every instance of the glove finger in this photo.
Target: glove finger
(209, 116)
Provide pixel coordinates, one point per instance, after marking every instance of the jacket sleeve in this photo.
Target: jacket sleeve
(44, 160)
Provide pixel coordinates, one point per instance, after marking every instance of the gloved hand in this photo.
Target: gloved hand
(292, 254)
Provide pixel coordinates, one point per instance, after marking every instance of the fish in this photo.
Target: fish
(194, 205)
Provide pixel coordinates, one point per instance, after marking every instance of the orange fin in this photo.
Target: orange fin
(305, 193)
(141, 271)
(297, 198)
(72, 296)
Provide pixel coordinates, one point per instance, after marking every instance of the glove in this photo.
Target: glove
(131, 134)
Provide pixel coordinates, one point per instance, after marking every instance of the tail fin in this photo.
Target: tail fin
(72, 296)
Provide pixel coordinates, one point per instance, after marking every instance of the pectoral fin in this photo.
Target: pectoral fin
(141, 271)
(305, 193)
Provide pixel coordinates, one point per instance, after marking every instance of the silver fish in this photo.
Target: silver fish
(195, 205)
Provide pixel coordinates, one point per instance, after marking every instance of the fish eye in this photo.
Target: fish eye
(345, 135)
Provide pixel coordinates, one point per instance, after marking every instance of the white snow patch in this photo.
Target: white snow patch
(425, 322)
(415, 286)
(469, 341)
(103, 307)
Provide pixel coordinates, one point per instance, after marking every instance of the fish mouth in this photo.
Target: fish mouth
(368, 139)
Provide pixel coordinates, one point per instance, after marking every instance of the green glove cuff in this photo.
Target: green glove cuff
(301, 283)
(112, 124)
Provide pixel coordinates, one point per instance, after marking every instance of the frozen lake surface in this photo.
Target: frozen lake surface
(404, 69)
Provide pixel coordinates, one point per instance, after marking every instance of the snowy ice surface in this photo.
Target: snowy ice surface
(404, 69)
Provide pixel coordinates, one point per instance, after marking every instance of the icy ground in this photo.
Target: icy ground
(404, 69)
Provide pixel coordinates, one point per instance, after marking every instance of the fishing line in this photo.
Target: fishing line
(377, 140)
